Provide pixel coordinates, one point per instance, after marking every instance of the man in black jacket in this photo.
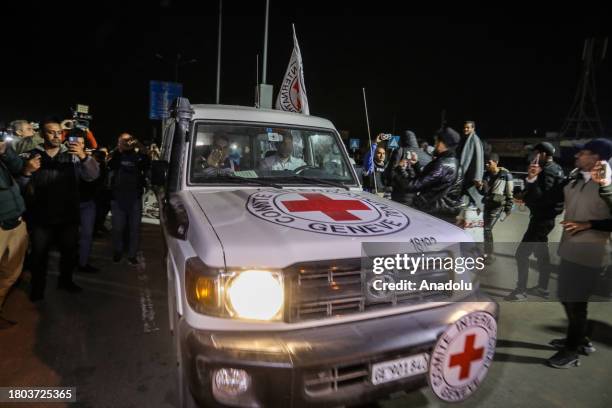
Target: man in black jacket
(52, 200)
(408, 145)
(127, 170)
(543, 196)
(438, 184)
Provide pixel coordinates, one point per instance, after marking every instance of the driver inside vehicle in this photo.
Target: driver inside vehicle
(283, 159)
(215, 159)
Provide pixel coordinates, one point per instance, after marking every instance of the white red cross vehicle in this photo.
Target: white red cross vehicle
(263, 220)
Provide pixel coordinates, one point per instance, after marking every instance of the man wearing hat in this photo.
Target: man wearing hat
(543, 196)
(437, 185)
(583, 251)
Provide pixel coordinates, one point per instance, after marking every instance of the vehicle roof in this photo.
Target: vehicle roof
(252, 114)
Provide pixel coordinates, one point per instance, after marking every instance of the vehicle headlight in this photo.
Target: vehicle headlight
(240, 294)
(256, 295)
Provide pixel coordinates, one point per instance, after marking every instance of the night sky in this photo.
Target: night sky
(512, 74)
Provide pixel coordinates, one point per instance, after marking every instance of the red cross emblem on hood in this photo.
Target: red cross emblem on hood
(338, 210)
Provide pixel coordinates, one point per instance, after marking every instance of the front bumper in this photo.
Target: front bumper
(322, 366)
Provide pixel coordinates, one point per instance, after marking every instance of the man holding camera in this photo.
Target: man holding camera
(51, 188)
(128, 171)
(437, 186)
(375, 166)
(70, 125)
(408, 146)
(27, 138)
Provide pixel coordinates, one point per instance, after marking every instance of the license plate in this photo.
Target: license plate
(401, 368)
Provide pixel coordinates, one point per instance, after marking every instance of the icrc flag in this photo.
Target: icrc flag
(292, 94)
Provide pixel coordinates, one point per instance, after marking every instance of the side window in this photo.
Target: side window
(327, 155)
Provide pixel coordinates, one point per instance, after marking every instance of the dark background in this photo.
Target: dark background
(512, 74)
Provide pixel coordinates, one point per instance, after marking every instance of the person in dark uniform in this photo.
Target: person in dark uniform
(437, 186)
(408, 145)
(543, 195)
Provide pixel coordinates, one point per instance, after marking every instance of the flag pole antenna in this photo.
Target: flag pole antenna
(365, 104)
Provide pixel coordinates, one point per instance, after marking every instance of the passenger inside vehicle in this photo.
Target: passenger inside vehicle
(283, 158)
(215, 159)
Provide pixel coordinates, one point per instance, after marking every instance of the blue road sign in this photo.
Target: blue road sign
(354, 144)
(393, 142)
(161, 95)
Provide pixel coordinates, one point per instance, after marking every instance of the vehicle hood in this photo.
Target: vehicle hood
(274, 228)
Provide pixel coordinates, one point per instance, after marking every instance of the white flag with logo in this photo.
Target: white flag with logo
(292, 94)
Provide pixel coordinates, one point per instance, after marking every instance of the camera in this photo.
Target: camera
(6, 135)
(80, 120)
(73, 139)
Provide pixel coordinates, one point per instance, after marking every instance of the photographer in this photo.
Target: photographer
(128, 170)
(408, 145)
(438, 185)
(376, 166)
(52, 199)
(70, 125)
(26, 138)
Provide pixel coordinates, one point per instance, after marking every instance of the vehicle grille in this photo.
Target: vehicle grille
(346, 377)
(320, 290)
(337, 378)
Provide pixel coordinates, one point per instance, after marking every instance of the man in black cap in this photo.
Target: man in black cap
(544, 198)
(437, 186)
(583, 248)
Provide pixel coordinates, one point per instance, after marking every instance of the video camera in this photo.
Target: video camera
(80, 121)
(7, 135)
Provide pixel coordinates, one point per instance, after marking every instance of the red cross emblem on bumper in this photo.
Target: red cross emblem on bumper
(465, 359)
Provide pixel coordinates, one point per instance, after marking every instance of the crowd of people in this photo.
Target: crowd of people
(57, 187)
(457, 176)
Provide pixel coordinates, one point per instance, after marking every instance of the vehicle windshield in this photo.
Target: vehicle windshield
(279, 154)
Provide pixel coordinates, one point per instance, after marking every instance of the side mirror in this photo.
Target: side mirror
(159, 173)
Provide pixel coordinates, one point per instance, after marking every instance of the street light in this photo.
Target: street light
(177, 63)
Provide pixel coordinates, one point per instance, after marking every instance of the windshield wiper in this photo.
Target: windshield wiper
(249, 180)
(314, 180)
